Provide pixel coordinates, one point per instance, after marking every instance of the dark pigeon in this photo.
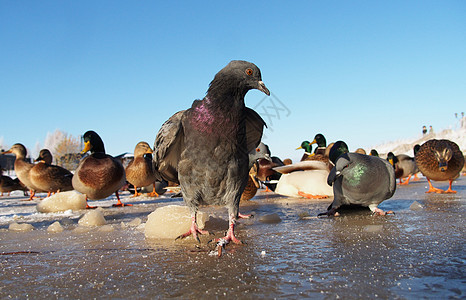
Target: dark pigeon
(359, 179)
(205, 148)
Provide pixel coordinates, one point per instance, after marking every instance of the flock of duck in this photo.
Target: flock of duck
(213, 151)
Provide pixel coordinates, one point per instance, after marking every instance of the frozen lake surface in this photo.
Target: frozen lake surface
(417, 253)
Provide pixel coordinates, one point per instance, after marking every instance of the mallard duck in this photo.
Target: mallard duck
(98, 175)
(440, 160)
(322, 151)
(140, 171)
(22, 167)
(405, 166)
(321, 142)
(374, 153)
(304, 179)
(8, 184)
(307, 146)
(251, 186)
(360, 151)
(359, 179)
(262, 151)
(50, 178)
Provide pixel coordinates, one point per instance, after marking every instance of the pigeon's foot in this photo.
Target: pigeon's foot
(194, 230)
(241, 216)
(229, 237)
(379, 212)
(330, 213)
(310, 196)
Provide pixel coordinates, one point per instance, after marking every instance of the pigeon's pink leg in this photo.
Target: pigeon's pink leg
(377, 211)
(194, 230)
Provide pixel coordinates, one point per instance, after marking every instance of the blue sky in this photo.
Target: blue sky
(365, 72)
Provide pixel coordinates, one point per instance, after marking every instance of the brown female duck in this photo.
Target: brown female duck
(22, 167)
(8, 185)
(98, 175)
(140, 171)
(50, 178)
(440, 160)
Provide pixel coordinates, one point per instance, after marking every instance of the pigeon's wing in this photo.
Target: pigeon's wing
(167, 148)
(254, 128)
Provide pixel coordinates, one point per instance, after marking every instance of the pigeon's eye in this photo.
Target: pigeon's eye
(258, 150)
(249, 72)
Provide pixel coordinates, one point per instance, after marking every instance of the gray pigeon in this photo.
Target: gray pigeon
(261, 151)
(362, 180)
(205, 148)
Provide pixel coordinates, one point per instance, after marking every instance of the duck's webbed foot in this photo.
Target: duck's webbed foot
(311, 196)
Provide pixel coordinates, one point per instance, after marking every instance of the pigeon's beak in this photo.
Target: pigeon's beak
(261, 87)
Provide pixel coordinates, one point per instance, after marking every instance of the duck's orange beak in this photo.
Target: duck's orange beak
(87, 147)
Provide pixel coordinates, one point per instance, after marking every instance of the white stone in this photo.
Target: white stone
(134, 223)
(106, 228)
(20, 227)
(92, 218)
(168, 222)
(55, 227)
(270, 219)
(416, 206)
(63, 201)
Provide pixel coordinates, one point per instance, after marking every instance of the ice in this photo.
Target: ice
(92, 218)
(106, 228)
(20, 227)
(416, 206)
(55, 227)
(168, 222)
(270, 219)
(134, 223)
(62, 201)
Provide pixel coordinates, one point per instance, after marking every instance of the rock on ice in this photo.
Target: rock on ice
(62, 201)
(92, 218)
(168, 222)
(55, 227)
(20, 227)
(270, 219)
(416, 206)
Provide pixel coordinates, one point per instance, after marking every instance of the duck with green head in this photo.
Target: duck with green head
(321, 142)
(98, 175)
(374, 153)
(307, 146)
